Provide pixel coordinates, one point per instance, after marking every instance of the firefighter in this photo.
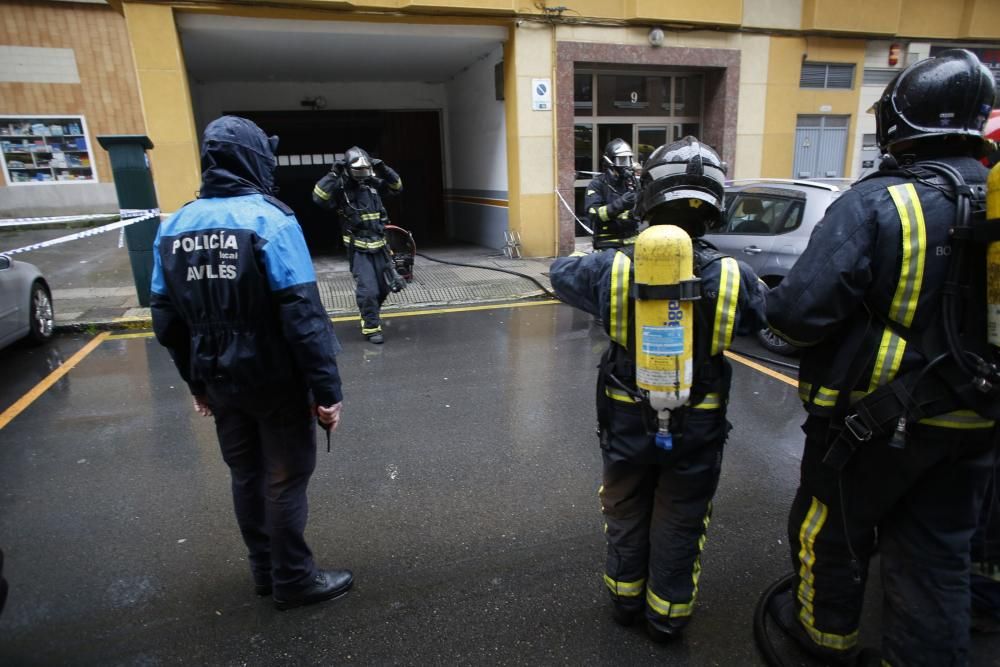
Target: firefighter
(611, 198)
(900, 435)
(662, 447)
(354, 188)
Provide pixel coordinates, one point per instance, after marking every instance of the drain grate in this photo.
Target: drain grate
(433, 285)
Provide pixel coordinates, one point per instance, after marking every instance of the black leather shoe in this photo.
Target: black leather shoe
(781, 609)
(326, 585)
(663, 631)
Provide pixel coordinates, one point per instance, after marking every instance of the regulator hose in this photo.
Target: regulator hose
(491, 268)
(760, 635)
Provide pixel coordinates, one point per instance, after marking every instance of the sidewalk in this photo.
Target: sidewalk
(434, 285)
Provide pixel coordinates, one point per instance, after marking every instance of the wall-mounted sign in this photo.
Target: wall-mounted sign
(541, 94)
(826, 108)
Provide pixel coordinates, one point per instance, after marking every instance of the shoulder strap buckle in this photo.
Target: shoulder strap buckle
(685, 290)
(857, 427)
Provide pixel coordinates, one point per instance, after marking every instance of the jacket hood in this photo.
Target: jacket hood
(237, 158)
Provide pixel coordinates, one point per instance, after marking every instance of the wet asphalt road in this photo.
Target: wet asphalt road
(461, 490)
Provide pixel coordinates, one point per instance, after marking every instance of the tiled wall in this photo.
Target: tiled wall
(106, 95)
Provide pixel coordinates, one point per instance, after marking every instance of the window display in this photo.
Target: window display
(45, 149)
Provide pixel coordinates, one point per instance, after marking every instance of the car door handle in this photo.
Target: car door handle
(752, 250)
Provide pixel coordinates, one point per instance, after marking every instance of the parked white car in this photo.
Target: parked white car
(25, 303)
(768, 224)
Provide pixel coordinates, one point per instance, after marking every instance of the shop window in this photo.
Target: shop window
(583, 93)
(45, 149)
(584, 150)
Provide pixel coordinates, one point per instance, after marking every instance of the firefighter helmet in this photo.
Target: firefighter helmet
(359, 163)
(617, 155)
(950, 94)
(683, 184)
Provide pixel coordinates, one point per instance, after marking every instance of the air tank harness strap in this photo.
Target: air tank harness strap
(685, 290)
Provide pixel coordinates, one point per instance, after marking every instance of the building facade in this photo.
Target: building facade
(493, 111)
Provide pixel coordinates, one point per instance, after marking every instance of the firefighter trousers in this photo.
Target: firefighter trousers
(922, 501)
(371, 288)
(656, 519)
(269, 444)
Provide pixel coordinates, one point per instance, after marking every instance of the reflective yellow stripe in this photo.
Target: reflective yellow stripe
(602, 212)
(725, 305)
(397, 185)
(590, 192)
(911, 216)
(811, 527)
(321, 193)
(680, 609)
(619, 298)
(960, 419)
(365, 330)
(625, 215)
(625, 589)
(371, 216)
(358, 243)
(825, 397)
(913, 239)
(619, 395)
(630, 240)
(711, 402)
(890, 356)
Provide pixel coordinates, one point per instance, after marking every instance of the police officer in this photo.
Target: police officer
(234, 300)
(611, 198)
(899, 444)
(657, 503)
(354, 188)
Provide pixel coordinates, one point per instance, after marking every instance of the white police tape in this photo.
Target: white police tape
(129, 216)
(572, 213)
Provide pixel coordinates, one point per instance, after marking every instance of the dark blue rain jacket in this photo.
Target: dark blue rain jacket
(234, 294)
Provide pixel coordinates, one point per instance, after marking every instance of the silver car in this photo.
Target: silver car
(25, 303)
(768, 223)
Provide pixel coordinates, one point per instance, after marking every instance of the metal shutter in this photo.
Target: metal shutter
(840, 76)
(813, 75)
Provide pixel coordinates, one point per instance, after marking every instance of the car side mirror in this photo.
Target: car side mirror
(4, 262)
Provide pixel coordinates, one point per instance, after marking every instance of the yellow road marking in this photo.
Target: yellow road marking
(763, 369)
(405, 313)
(22, 403)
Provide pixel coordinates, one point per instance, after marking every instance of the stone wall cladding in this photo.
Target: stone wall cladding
(722, 82)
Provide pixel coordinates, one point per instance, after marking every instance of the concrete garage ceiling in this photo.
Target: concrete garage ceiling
(226, 48)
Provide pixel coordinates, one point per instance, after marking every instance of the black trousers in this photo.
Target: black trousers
(986, 556)
(269, 444)
(657, 508)
(371, 288)
(922, 502)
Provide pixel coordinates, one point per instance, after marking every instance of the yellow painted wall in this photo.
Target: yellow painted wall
(943, 19)
(166, 103)
(785, 100)
(531, 144)
(981, 19)
(861, 16)
(720, 12)
(927, 19)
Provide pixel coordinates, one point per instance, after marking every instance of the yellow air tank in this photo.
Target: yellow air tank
(993, 260)
(664, 326)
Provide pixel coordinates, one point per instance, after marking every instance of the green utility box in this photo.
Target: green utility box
(134, 185)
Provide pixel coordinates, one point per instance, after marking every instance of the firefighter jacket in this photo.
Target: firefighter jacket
(880, 254)
(611, 218)
(234, 296)
(732, 302)
(359, 205)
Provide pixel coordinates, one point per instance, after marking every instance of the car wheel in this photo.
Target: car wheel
(773, 343)
(42, 316)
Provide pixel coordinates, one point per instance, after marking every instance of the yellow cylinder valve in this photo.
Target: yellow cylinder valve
(665, 285)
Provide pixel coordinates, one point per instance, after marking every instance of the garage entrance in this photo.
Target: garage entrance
(420, 96)
(408, 141)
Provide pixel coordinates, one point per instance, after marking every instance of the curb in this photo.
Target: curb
(146, 323)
